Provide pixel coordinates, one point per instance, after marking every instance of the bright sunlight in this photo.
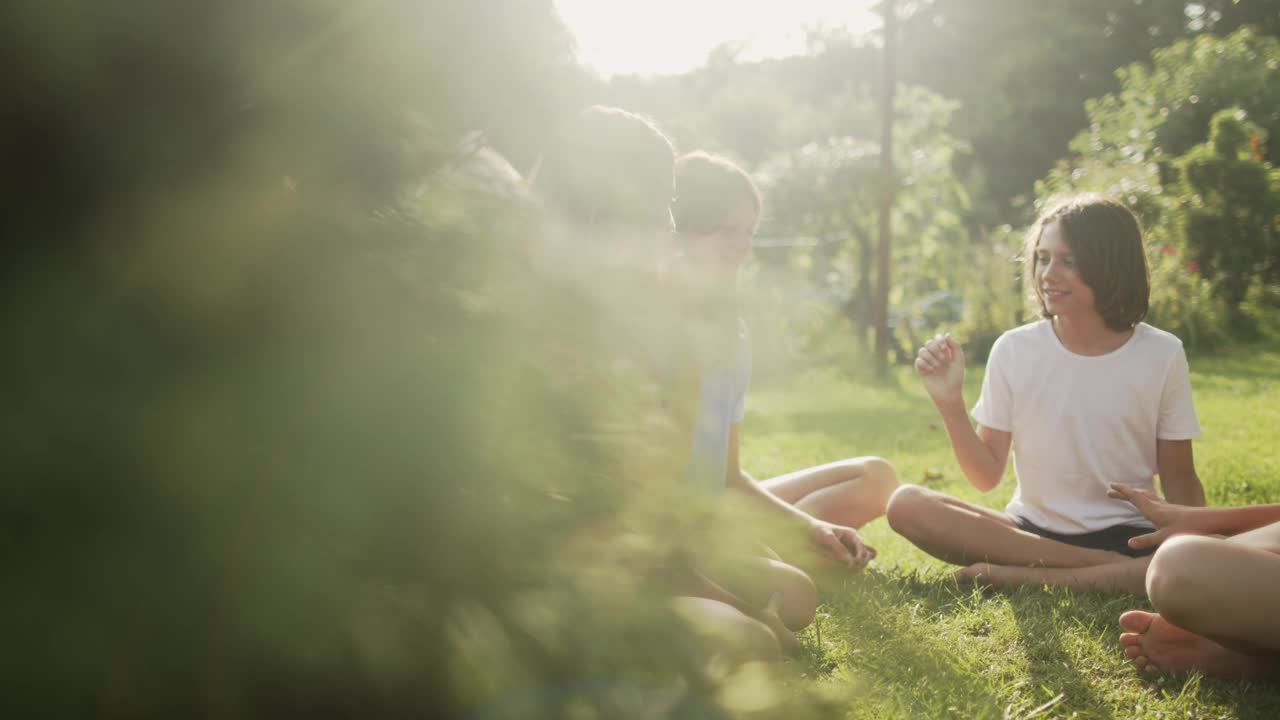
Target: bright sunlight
(660, 37)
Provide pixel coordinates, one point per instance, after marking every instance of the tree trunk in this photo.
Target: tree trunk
(862, 303)
(886, 190)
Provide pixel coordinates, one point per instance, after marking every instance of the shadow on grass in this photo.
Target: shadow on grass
(917, 645)
(1045, 618)
(1041, 617)
(1198, 696)
(924, 647)
(1251, 701)
(890, 647)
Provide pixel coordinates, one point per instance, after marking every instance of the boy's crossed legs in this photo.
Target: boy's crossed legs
(998, 552)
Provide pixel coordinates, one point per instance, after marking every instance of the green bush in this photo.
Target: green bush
(1183, 301)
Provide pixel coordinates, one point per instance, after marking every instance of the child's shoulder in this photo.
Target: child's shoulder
(1154, 334)
(1033, 329)
(1036, 332)
(1024, 344)
(1157, 340)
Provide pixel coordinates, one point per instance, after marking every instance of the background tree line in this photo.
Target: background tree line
(995, 98)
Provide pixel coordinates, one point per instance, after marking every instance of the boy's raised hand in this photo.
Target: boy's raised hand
(940, 364)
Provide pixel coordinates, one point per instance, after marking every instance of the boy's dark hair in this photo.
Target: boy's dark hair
(1106, 241)
(707, 190)
(607, 165)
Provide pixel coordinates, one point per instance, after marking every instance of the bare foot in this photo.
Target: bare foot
(1158, 646)
(1004, 577)
(1112, 577)
(976, 574)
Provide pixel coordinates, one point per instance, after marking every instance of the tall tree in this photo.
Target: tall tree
(888, 85)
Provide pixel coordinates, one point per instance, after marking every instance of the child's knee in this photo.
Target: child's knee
(799, 602)
(882, 476)
(1176, 573)
(728, 630)
(906, 506)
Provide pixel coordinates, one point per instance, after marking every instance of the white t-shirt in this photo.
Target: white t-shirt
(1080, 423)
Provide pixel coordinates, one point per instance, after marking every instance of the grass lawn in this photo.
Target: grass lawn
(912, 643)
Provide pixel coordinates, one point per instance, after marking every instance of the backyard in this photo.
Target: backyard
(913, 643)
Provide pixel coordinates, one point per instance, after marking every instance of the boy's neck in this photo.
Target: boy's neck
(1088, 335)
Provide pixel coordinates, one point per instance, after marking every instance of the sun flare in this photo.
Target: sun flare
(655, 37)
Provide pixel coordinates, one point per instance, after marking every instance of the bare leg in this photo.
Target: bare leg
(760, 578)
(1125, 576)
(740, 637)
(849, 492)
(960, 532)
(1158, 646)
(1215, 603)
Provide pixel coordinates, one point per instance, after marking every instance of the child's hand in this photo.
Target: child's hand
(940, 364)
(843, 544)
(1169, 519)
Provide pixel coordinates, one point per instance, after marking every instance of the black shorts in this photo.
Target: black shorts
(1113, 539)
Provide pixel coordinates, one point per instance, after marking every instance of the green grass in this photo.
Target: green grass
(906, 641)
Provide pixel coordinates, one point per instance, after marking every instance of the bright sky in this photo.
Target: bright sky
(650, 37)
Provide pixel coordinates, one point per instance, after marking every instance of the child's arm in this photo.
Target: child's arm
(1171, 519)
(1177, 469)
(1233, 520)
(841, 542)
(983, 454)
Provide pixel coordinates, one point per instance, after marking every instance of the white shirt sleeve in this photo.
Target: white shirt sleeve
(995, 403)
(1177, 411)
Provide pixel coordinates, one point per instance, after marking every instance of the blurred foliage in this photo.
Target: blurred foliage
(309, 412)
(1022, 71)
(1185, 143)
(828, 191)
(1231, 207)
(1182, 301)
